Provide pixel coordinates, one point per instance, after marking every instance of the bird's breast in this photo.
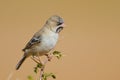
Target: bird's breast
(48, 42)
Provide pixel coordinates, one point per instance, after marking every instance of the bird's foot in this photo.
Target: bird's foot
(49, 56)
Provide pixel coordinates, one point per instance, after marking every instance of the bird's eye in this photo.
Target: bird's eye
(59, 23)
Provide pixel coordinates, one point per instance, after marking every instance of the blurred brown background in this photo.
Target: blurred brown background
(90, 41)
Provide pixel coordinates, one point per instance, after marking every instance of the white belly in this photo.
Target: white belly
(49, 42)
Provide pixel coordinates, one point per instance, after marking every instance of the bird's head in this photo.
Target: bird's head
(55, 23)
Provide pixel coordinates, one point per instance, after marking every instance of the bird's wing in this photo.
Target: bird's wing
(35, 40)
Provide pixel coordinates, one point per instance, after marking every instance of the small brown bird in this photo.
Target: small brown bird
(44, 40)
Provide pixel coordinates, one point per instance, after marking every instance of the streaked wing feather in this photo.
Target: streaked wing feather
(33, 41)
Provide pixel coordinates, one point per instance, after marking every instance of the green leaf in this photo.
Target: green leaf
(53, 76)
(39, 65)
(47, 75)
(30, 78)
(35, 70)
(57, 54)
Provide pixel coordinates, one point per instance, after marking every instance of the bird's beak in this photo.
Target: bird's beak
(62, 25)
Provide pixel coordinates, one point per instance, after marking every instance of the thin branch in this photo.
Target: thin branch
(42, 69)
(49, 57)
(35, 60)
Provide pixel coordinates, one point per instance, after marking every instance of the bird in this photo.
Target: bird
(44, 40)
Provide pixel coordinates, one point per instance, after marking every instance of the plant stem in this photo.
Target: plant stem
(42, 69)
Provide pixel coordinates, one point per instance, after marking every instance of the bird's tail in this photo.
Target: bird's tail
(20, 62)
